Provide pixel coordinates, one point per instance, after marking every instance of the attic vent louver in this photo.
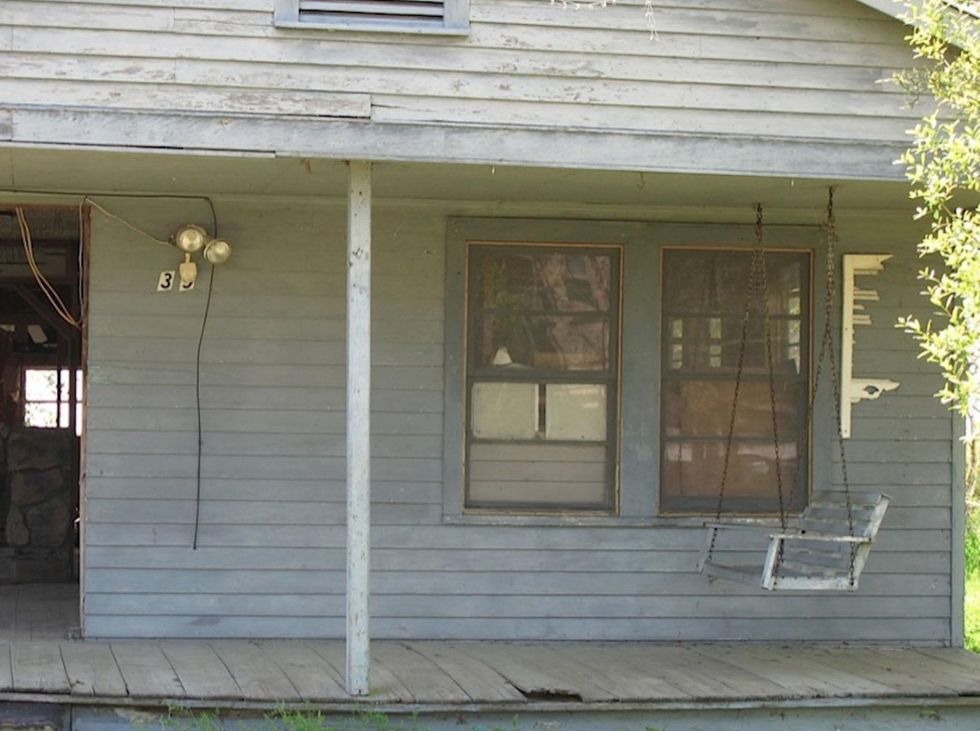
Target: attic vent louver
(366, 12)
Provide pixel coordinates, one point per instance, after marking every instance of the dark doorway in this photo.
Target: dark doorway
(41, 397)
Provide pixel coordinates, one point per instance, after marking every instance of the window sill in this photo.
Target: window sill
(420, 29)
(601, 521)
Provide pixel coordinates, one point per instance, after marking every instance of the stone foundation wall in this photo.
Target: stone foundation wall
(37, 497)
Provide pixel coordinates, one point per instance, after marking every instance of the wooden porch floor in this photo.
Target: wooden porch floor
(38, 612)
(257, 674)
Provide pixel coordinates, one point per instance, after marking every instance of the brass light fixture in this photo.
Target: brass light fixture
(190, 239)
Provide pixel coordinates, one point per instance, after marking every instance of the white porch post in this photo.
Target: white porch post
(358, 424)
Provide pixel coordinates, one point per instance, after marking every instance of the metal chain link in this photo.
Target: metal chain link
(829, 306)
(771, 367)
(827, 352)
(767, 322)
(757, 281)
(750, 296)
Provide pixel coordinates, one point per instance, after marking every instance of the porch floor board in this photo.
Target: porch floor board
(262, 673)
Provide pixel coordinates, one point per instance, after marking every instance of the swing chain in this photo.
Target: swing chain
(828, 307)
(757, 280)
(827, 352)
(770, 368)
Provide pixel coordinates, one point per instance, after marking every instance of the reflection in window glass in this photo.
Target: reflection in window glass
(541, 376)
(703, 308)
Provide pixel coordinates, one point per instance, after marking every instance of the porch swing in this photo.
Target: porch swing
(828, 549)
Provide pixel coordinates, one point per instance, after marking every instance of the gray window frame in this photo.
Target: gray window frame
(455, 21)
(610, 378)
(638, 445)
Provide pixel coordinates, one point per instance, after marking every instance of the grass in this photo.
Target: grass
(971, 609)
(179, 718)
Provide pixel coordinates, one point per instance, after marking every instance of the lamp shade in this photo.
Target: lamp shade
(217, 251)
(190, 238)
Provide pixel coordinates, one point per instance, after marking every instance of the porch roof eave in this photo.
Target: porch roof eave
(345, 139)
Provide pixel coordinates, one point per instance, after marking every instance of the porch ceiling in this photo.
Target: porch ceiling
(93, 171)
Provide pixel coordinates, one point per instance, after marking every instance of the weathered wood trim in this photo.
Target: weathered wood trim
(85, 216)
(457, 15)
(454, 425)
(358, 426)
(639, 418)
(958, 530)
(455, 21)
(891, 8)
(427, 30)
(286, 13)
(127, 130)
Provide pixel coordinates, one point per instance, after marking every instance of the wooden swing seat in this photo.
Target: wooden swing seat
(823, 554)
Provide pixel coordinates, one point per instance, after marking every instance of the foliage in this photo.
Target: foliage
(972, 603)
(943, 166)
(973, 545)
(181, 718)
(971, 609)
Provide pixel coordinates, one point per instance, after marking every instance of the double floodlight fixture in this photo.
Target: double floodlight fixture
(191, 239)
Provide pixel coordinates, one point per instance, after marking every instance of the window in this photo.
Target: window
(47, 400)
(703, 307)
(542, 339)
(405, 16)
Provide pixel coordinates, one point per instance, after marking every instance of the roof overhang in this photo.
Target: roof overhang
(893, 8)
(896, 8)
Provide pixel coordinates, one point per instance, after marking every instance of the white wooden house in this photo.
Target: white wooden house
(481, 315)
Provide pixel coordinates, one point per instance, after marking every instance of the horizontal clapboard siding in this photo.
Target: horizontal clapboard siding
(270, 560)
(798, 69)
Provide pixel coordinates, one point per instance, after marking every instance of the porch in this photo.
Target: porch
(32, 612)
(431, 676)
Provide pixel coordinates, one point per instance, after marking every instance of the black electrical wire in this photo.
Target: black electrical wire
(204, 319)
(197, 385)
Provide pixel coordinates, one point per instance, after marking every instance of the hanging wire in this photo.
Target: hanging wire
(86, 199)
(47, 289)
(197, 387)
(123, 221)
(82, 293)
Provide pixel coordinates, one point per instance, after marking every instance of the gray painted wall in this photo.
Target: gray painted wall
(804, 73)
(270, 561)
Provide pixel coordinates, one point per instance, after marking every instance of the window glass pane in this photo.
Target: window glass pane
(712, 344)
(578, 343)
(41, 384)
(704, 305)
(65, 385)
(542, 279)
(716, 281)
(41, 414)
(694, 469)
(575, 411)
(703, 408)
(504, 410)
